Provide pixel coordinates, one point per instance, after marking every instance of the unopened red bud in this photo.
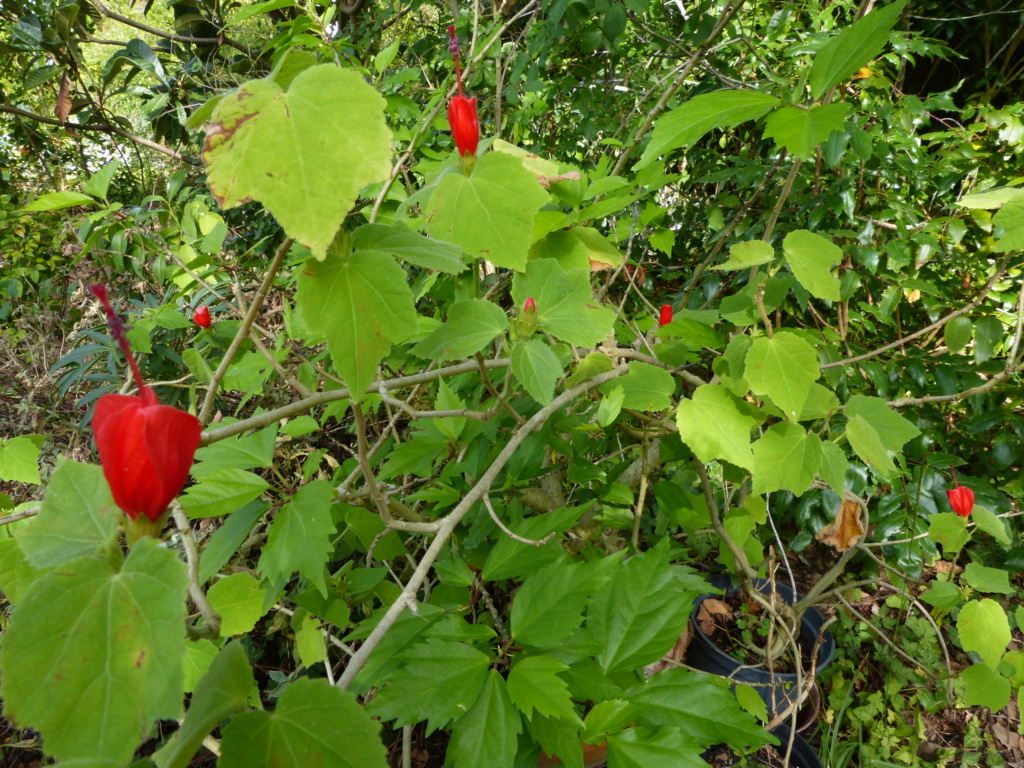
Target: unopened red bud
(666, 315)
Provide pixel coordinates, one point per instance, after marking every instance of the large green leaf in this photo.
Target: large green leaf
(549, 605)
(304, 152)
(77, 517)
(1011, 218)
(893, 430)
(300, 538)
(438, 682)
(16, 574)
(55, 201)
(666, 747)
(471, 325)
(783, 368)
(566, 307)
(716, 425)
(222, 492)
(984, 628)
(221, 692)
(853, 48)
(19, 460)
(812, 258)
(786, 458)
(685, 124)
(537, 368)
(640, 612)
(315, 723)
(93, 654)
(534, 684)
(800, 131)
(362, 304)
(489, 213)
(237, 452)
(645, 388)
(984, 687)
(400, 241)
(487, 735)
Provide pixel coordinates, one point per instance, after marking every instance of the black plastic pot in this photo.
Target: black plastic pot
(704, 655)
(803, 754)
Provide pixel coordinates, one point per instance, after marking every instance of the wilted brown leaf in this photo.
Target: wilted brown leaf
(63, 106)
(843, 532)
(710, 613)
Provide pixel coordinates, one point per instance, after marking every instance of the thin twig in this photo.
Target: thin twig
(511, 534)
(211, 629)
(24, 514)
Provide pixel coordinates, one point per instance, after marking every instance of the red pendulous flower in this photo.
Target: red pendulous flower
(462, 115)
(961, 499)
(202, 317)
(146, 449)
(666, 315)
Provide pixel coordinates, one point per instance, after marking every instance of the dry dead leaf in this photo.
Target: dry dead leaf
(709, 610)
(63, 107)
(843, 532)
(944, 566)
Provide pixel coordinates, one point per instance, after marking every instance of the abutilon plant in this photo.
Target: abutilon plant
(202, 318)
(961, 499)
(462, 116)
(666, 315)
(146, 449)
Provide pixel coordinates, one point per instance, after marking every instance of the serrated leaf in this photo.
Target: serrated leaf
(800, 131)
(315, 723)
(222, 492)
(300, 537)
(607, 716)
(92, 657)
(984, 628)
(239, 601)
(717, 426)
(949, 530)
(238, 452)
(513, 559)
(566, 307)
(854, 47)
(78, 517)
(362, 304)
(489, 213)
(786, 458)
(537, 368)
(199, 656)
(688, 122)
(665, 747)
(534, 684)
(399, 240)
(488, 733)
(747, 254)
(549, 605)
(812, 258)
(472, 324)
(309, 638)
(783, 368)
(304, 152)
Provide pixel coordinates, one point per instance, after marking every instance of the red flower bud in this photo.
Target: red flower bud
(464, 123)
(666, 315)
(961, 499)
(530, 306)
(202, 317)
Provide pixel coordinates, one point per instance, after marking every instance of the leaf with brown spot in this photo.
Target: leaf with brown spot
(847, 528)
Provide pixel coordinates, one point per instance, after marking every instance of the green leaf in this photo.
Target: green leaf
(222, 492)
(704, 702)
(812, 257)
(943, 595)
(78, 517)
(55, 201)
(607, 717)
(1011, 218)
(537, 368)
(893, 430)
(239, 601)
(228, 538)
(19, 460)
(786, 458)
(534, 684)
(716, 425)
(300, 537)
(199, 656)
(403, 243)
(472, 324)
(751, 701)
(610, 407)
(747, 254)
(305, 153)
(16, 574)
(315, 723)
(489, 213)
(549, 605)
(994, 526)
(248, 452)
(984, 687)
(833, 466)
(688, 122)
(93, 654)
(566, 307)
(854, 47)
(985, 579)
(988, 332)
(438, 682)
(645, 388)
(309, 638)
(589, 367)
(640, 612)
(514, 559)
(666, 747)
(783, 368)
(221, 693)
(869, 446)
(257, 8)
(488, 733)
(984, 628)
(990, 198)
(800, 131)
(949, 530)
(99, 182)
(958, 332)
(362, 304)
(416, 456)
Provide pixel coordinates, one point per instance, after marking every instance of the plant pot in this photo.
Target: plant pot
(803, 754)
(594, 756)
(705, 656)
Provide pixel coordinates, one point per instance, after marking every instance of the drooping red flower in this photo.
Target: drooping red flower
(202, 317)
(146, 449)
(961, 499)
(462, 116)
(666, 315)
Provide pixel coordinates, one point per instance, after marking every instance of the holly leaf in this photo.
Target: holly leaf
(300, 537)
(315, 723)
(716, 425)
(489, 213)
(93, 655)
(304, 152)
(566, 307)
(362, 304)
